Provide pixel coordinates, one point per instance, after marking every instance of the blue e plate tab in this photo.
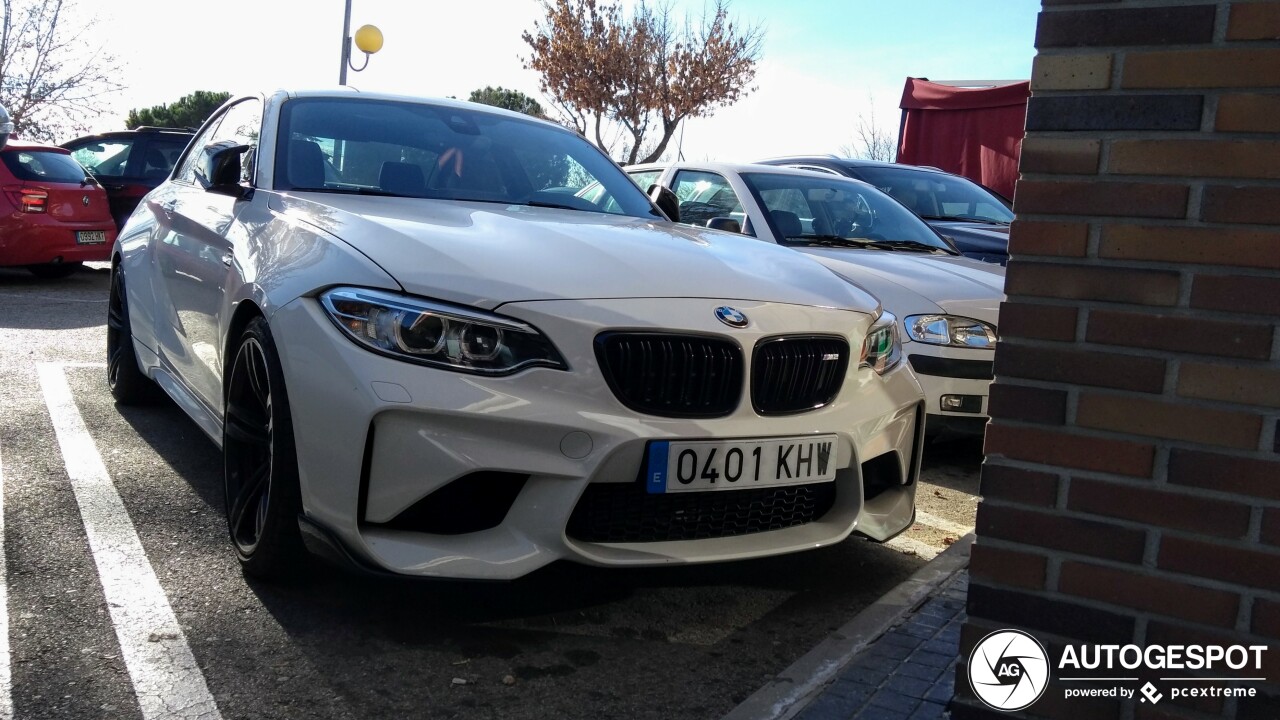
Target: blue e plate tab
(656, 478)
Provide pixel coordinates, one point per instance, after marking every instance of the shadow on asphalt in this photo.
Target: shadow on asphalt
(954, 464)
(86, 288)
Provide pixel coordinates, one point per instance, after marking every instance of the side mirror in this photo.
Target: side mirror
(219, 168)
(951, 242)
(726, 224)
(666, 201)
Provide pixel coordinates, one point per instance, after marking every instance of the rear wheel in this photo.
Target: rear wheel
(125, 379)
(53, 271)
(263, 499)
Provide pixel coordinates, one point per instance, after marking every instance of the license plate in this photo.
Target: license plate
(91, 237)
(702, 465)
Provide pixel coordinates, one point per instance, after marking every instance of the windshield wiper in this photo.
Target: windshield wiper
(829, 240)
(545, 204)
(912, 245)
(966, 218)
(355, 191)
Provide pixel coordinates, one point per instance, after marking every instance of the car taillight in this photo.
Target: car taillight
(33, 201)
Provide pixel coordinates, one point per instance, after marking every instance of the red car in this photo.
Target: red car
(53, 215)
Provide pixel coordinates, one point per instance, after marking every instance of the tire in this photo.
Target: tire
(263, 499)
(124, 377)
(54, 271)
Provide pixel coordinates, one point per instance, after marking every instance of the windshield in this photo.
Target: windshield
(43, 166)
(803, 208)
(938, 196)
(408, 149)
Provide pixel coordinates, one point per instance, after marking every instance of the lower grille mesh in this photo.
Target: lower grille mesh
(626, 512)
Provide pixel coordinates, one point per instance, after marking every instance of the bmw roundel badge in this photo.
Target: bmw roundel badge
(731, 317)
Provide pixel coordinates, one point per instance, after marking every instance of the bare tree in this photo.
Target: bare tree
(641, 73)
(871, 140)
(52, 79)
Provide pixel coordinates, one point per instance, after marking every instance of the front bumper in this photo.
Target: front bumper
(377, 436)
(953, 371)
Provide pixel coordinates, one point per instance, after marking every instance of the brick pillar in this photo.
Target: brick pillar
(1132, 481)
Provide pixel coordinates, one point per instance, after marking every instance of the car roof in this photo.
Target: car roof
(144, 130)
(737, 168)
(26, 145)
(850, 162)
(348, 92)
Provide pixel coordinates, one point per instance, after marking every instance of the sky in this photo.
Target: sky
(825, 63)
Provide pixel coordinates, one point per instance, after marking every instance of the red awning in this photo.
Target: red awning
(974, 132)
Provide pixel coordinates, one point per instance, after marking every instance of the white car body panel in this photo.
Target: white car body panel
(513, 253)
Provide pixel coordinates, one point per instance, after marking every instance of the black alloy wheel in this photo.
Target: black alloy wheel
(261, 476)
(124, 378)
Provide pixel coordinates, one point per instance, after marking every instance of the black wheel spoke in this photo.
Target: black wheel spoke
(113, 363)
(247, 426)
(255, 378)
(115, 303)
(247, 504)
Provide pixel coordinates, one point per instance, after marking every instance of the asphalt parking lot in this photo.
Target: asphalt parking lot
(568, 641)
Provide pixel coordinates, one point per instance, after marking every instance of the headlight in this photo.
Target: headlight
(882, 349)
(950, 330)
(440, 335)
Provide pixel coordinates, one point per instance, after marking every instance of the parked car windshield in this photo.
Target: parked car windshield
(386, 147)
(43, 166)
(937, 196)
(805, 208)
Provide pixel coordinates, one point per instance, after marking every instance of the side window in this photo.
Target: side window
(187, 173)
(644, 178)
(705, 195)
(104, 158)
(161, 154)
(241, 124)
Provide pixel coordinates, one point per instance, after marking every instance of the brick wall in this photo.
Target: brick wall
(1132, 481)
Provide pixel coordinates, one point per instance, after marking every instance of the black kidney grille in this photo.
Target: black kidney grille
(795, 374)
(626, 512)
(672, 375)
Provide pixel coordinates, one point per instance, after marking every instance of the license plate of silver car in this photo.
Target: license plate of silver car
(708, 465)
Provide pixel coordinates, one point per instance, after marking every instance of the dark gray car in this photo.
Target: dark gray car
(976, 218)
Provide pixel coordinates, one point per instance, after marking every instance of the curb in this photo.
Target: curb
(788, 692)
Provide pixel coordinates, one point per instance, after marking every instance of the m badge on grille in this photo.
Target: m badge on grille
(731, 317)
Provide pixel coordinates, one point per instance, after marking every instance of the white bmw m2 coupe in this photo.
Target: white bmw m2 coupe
(422, 354)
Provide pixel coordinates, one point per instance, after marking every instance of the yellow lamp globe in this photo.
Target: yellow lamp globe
(368, 39)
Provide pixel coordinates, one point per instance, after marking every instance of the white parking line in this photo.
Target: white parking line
(933, 521)
(166, 678)
(6, 676)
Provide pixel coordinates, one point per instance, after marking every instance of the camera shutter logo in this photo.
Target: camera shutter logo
(1008, 670)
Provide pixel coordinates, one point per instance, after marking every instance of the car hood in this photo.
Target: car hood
(911, 283)
(977, 238)
(488, 254)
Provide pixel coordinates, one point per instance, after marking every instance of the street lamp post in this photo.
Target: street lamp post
(368, 39)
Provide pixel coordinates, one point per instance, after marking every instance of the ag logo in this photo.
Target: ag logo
(1008, 670)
